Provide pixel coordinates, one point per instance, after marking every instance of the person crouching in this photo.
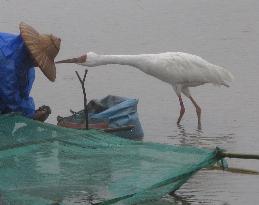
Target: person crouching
(19, 54)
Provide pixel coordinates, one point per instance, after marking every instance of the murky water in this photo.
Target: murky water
(223, 32)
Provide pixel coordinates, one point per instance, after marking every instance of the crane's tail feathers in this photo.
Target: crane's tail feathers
(223, 76)
(228, 77)
(226, 85)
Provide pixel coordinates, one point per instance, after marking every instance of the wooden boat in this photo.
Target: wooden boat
(112, 114)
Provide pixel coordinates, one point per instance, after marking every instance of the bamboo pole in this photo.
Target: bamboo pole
(238, 155)
(222, 154)
(235, 170)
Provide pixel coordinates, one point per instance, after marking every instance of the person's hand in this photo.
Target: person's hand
(42, 113)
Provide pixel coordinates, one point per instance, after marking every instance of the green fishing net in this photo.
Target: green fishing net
(45, 164)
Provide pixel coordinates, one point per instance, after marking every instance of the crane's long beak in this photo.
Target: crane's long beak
(69, 60)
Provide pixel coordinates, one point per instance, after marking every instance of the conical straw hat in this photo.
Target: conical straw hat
(43, 49)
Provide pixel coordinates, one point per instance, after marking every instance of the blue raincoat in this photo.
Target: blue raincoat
(16, 76)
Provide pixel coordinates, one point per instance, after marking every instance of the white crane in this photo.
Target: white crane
(181, 70)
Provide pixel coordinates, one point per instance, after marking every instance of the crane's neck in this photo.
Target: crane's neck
(137, 61)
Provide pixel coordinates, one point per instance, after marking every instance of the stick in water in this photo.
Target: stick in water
(85, 100)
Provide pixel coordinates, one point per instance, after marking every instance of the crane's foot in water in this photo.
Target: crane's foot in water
(199, 126)
(182, 111)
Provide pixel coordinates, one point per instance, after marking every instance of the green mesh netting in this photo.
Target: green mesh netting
(45, 164)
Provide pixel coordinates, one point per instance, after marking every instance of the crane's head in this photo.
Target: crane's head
(89, 59)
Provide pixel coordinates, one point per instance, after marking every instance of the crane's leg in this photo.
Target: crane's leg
(182, 110)
(187, 93)
(198, 111)
(178, 90)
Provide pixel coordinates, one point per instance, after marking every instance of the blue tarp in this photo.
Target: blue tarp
(121, 111)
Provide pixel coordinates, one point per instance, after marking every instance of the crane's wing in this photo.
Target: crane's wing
(189, 69)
